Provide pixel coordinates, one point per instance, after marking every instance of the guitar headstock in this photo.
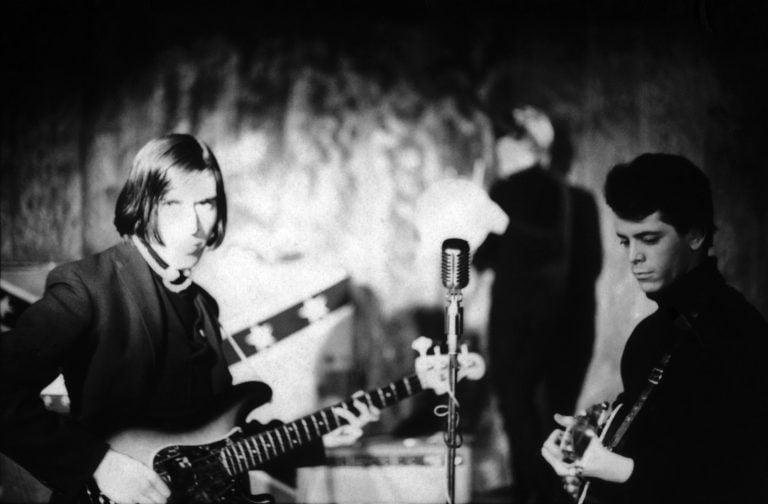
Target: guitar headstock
(432, 369)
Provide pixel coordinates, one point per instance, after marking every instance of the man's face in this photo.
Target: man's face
(657, 253)
(186, 215)
(514, 155)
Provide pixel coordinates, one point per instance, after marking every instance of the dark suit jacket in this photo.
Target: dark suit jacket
(99, 323)
(546, 263)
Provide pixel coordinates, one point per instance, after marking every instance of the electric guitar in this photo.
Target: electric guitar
(596, 421)
(201, 466)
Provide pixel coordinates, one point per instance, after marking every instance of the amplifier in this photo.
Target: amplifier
(386, 470)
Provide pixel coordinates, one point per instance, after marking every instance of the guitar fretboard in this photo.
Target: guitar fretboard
(251, 452)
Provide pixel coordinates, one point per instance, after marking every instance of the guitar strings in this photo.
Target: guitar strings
(214, 459)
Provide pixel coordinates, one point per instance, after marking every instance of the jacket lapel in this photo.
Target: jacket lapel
(136, 279)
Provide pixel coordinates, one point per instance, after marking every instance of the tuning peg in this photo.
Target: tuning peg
(421, 345)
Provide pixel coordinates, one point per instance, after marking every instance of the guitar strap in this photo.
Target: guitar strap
(654, 378)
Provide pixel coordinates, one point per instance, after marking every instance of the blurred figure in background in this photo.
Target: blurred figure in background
(541, 323)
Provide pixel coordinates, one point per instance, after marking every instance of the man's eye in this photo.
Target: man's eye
(624, 243)
(207, 205)
(650, 240)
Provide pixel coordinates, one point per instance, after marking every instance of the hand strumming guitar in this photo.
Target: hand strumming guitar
(124, 479)
(596, 462)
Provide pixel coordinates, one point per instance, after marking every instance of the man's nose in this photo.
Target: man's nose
(199, 232)
(636, 254)
(190, 221)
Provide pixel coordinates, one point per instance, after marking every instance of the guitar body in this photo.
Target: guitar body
(189, 461)
(192, 473)
(604, 426)
(145, 445)
(204, 464)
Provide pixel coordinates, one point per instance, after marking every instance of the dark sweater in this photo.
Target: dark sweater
(700, 436)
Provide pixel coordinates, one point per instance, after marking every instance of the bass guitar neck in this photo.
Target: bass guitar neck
(202, 465)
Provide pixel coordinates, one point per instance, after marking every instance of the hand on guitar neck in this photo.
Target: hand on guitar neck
(353, 430)
(577, 452)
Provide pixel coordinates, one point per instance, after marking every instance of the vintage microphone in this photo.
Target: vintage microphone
(455, 276)
(460, 210)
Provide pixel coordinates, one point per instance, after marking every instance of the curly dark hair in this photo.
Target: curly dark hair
(667, 183)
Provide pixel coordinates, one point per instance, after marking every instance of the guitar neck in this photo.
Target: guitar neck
(253, 451)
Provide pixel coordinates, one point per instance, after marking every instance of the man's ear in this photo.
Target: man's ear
(695, 238)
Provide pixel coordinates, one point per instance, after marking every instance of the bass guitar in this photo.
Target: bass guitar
(201, 466)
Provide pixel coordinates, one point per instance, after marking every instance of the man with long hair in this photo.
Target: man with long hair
(138, 342)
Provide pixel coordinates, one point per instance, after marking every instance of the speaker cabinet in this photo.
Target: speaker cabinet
(383, 471)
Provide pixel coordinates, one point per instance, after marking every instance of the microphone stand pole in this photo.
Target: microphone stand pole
(453, 325)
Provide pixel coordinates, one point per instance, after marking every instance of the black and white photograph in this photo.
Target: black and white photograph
(368, 252)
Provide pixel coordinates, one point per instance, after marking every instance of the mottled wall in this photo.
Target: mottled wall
(328, 130)
(41, 206)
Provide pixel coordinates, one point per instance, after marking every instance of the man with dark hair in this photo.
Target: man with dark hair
(690, 426)
(137, 341)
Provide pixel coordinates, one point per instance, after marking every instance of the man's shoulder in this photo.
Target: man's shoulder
(648, 328)
(93, 266)
(652, 320)
(738, 314)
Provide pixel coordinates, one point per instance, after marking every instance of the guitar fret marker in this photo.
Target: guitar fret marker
(322, 412)
(255, 443)
(287, 432)
(249, 452)
(241, 457)
(269, 445)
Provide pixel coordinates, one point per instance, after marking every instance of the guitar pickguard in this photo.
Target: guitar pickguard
(196, 474)
(193, 473)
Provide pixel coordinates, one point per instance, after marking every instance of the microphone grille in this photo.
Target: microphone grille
(455, 263)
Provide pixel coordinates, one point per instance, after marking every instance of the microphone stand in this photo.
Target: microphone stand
(453, 329)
